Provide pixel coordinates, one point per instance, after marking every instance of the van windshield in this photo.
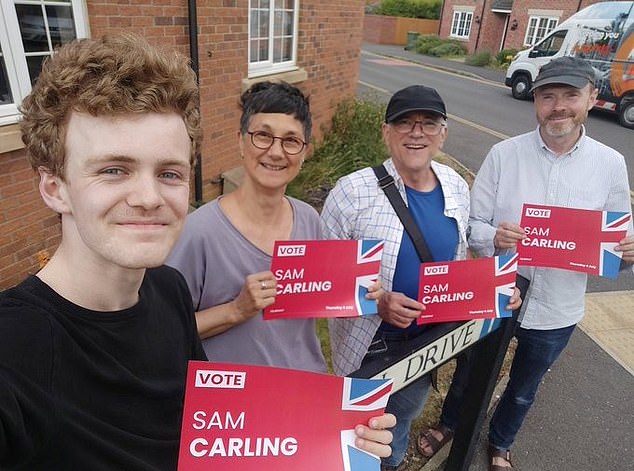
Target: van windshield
(550, 45)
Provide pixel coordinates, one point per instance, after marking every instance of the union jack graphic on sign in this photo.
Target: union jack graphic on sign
(364, 394)
(610, 259)
(361, 395)
(369, 252)
(504, 265)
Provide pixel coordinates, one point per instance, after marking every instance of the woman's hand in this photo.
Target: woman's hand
(258, 292)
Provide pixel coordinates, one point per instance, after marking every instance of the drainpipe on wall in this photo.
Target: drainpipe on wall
(442, 10)
(193, 54)
(484, 4)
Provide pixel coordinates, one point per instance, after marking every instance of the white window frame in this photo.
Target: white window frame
(538, 28)
(269, 66)
(13, 49)
(461, 24)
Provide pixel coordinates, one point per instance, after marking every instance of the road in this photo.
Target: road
(481, 113)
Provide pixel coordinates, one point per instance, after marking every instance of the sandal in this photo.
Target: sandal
(433, 442)
(497, 453)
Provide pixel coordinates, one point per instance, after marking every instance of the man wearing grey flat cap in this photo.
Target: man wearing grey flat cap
(558, 164)
(437, 198)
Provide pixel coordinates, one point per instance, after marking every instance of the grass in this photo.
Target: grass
(354, 141)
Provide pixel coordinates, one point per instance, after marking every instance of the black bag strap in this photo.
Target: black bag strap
(386, 182)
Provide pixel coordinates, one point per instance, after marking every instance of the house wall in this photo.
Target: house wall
(29, 231)
(330, 35)
(489, 32)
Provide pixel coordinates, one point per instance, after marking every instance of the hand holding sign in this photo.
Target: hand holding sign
(507, 235)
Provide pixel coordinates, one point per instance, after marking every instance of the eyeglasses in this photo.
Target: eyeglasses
(429, 126)
(264, 140)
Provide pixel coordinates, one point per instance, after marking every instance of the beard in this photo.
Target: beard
(555, 128)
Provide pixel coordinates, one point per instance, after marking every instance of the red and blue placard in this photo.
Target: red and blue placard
(324, 278)
(580, 240)
(239, 418)
(464, 290)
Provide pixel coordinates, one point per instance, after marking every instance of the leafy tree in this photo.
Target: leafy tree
(427, 9)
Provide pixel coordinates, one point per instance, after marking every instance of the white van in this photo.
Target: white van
(603, 34)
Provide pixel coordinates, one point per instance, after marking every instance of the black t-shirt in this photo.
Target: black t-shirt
(82, 389)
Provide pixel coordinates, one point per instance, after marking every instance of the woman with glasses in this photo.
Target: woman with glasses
(225, 250)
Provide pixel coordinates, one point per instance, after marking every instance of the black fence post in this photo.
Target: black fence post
(485, 363)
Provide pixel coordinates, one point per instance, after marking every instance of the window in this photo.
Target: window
(461, 24)
(272, 36)
(34, 28)
(538, 28)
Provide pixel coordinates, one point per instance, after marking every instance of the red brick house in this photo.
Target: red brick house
(312, 43)
(493, 25)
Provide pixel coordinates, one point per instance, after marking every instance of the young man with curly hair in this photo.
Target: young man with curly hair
(94, 347)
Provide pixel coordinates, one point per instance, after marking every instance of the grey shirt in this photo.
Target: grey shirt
(523, 170)
(215, 259)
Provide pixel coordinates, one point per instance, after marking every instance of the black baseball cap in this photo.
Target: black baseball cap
(414, 98)
(566, 70)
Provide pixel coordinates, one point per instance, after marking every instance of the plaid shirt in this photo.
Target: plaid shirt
(357, 208)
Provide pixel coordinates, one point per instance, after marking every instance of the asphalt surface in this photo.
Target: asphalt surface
(583, 417)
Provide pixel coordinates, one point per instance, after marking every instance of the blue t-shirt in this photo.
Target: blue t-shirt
(441, 234)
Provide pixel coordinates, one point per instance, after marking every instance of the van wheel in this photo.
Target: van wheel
(626, 113)
(520, 87)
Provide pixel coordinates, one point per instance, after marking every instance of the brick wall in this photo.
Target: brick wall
(29, 231)
(378, 29)
(330, 35)
(328, 49)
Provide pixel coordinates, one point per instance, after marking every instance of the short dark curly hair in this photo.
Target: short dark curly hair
(117, 74)
(275, 97)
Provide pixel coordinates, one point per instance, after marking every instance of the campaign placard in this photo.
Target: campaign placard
(580, 240)
(240, 417)
(324, 278)
(464, 290)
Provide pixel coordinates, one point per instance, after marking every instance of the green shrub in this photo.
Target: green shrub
(447, 49)
(480, 59)
(504, 57)
(429, 9)
(433, 45)
(353, 141)
(426, 42)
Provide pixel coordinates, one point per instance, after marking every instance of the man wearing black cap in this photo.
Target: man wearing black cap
(357, 208)
(559, 165)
